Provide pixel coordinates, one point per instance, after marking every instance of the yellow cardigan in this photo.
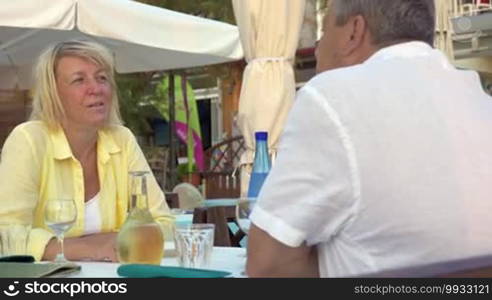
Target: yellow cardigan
(37, 164)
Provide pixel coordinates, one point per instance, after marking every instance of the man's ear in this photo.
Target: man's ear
(356, 34)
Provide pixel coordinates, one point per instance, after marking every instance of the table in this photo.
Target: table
(230, 259)
(221, 202)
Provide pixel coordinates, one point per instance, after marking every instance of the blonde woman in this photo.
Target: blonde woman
(74, 145)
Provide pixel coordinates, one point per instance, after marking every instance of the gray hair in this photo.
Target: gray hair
(391, 21)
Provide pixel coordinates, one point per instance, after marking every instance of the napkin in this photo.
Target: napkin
(152, 271)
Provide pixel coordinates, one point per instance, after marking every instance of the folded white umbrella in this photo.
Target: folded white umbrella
(444, 34)
(142, 37)
(270, 34)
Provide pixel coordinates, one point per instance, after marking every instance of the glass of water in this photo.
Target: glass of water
(60, 215)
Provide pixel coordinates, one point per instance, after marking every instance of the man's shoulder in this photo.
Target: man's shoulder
(337, 84)
(338, 77)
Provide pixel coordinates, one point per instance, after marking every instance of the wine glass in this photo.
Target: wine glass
(60, 215)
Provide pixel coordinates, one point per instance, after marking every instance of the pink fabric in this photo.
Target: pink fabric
(182, 132)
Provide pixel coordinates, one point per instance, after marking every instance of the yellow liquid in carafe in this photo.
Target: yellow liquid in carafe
(140, 242)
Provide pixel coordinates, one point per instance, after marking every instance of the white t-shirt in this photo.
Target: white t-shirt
(92, 222)
(383, 165)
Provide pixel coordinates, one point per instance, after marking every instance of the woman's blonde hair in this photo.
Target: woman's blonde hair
(47, 105)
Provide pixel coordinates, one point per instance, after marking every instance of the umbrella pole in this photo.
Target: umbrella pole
(172, 134)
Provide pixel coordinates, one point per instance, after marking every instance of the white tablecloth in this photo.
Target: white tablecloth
(230, 259)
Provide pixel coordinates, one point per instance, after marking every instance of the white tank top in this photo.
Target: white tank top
(92, 222)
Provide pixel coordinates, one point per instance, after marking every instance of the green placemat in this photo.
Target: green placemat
(153, 271)
(35, 270)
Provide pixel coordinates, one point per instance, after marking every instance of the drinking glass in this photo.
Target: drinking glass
(59, 216)
(194, 244)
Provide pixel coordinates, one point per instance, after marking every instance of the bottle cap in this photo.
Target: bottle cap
(261, 135)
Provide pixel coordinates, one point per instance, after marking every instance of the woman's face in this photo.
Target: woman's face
(85, 92)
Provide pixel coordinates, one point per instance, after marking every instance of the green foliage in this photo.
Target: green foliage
(132, 90)
(183, 169)
(160, 98)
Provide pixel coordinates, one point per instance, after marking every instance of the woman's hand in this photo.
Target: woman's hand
(93, 247)
(103, 246)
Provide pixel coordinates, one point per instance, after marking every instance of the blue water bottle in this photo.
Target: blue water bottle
(261, 164)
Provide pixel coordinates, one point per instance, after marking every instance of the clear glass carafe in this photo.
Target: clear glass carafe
(140, 239)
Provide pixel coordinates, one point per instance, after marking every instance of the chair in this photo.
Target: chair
(472, 7)
(172, 199)
(482, 5)
(473, 267)
(222, 160)
(220, 181)
(189, 197)
(221, 185)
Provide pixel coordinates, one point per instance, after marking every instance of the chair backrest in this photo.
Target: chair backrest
(484, 3)
(189, 196)
(220, 181)
(481, 272)
(472, 267)
(172, 199)
(221, 185)
(225, 155)
(222, 161)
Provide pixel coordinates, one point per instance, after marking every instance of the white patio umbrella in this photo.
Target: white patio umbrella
(142, 37)
(269, 31)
